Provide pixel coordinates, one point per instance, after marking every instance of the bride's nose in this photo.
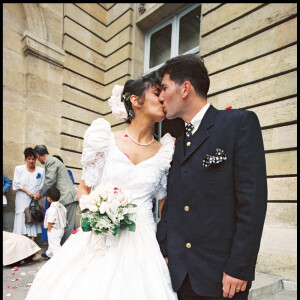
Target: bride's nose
(160, 98)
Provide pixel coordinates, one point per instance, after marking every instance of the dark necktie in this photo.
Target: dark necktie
(188, 130)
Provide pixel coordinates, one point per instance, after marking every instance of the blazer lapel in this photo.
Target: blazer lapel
(202, 133)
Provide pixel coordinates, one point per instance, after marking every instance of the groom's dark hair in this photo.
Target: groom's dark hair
(189, 67)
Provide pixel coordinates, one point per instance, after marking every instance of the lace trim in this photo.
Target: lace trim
(92, 171)
(161, 191)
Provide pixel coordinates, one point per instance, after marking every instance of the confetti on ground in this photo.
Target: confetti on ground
(28, 284)
(23, 273)
(13, 273)
(15, 279)
(8, 286)
(15, 269)
(14, 287)
(8, 295)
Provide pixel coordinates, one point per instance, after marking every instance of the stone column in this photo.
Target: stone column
(43, 91)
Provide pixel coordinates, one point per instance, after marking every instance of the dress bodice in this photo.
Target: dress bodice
(103, 162)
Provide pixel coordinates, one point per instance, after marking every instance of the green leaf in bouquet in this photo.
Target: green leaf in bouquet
(116, 229)
(127, 219)
(132, 227)
(85, 224)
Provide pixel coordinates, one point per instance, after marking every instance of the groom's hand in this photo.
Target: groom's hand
(232, 285)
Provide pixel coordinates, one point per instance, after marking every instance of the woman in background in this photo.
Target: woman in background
(27, 181)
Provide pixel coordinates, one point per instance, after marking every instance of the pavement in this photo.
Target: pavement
(17, 277)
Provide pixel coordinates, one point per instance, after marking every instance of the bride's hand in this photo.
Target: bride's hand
(83, 189)
(166, 259)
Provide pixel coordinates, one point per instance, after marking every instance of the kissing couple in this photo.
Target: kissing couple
(211, 183)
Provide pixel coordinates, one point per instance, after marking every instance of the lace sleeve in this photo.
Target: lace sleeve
(165, 158)
(95, 145)
(161, 192)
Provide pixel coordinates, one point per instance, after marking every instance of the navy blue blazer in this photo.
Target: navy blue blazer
(213, 217)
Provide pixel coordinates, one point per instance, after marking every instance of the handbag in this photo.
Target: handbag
(33, 213)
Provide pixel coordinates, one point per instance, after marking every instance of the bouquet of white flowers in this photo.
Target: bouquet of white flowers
(106, 210)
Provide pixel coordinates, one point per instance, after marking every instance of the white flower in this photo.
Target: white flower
(112, 203)
(84, 202)
(93, 197)
(104, 223)
(127, 197)
(93, 208)
(110, 197)
(103, 207)
(119, 197)
(112, 211)
(117, 90)
(104, 190)
(117, 106)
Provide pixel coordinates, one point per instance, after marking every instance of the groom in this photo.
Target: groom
(213, 217)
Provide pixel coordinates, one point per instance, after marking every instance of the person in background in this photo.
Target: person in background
(6, 187)
(44, 236)
(6, 184)
(56, 175)
(69, 171)
(27, 180)
(55, 221)
(17, 248)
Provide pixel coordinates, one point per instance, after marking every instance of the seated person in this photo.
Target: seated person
(17, 247)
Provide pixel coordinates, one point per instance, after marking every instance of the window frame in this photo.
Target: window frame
(174, 20)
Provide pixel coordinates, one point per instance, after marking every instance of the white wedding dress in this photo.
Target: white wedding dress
(132, 269)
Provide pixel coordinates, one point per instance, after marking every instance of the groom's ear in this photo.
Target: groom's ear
(185, 89)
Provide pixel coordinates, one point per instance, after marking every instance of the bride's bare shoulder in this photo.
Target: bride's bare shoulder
(119, 134)
(157, 144)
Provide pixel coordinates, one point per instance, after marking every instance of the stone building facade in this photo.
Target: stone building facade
(61, 61)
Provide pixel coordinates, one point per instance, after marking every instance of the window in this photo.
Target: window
(178, 35)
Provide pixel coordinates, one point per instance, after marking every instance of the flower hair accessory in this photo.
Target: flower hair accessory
(120, 104)
(126, 100)
(116, 103)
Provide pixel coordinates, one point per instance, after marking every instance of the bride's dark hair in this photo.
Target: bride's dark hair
(138, 87)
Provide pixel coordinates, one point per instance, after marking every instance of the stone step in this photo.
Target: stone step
(280, 295)
(264, 285)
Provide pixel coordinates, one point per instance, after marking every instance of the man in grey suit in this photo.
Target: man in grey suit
(56, 175)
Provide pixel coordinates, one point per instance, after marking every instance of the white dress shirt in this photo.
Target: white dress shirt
(196, 121)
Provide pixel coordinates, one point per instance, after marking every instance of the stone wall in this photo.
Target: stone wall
(62, 60)
(250, 53)
(32, 87)
(97, 42)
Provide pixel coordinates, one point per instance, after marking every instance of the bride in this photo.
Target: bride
(133, 268)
